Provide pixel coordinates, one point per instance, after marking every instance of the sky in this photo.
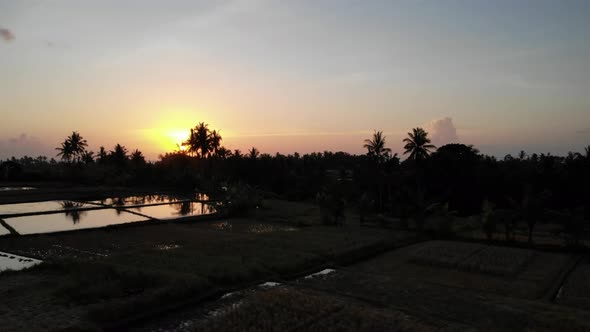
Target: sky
(300, 75)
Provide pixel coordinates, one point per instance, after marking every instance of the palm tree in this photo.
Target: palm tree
(376, 146)
(88, 157)
(191, 143)
(418, 144)
(65, 151)
(237, 154)
(137, 157)
(253, 153)
(215, 141)
(203, 139)
(102, 155)
(78, 145)
(119, 155)
(224, 153)
(73, 148)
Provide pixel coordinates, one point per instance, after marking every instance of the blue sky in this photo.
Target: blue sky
(295, 75)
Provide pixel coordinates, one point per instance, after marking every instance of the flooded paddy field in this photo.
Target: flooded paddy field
(266, 273)
(174, 210)
(14, 262)
(69, 221)
(68, 215)
(131, 269)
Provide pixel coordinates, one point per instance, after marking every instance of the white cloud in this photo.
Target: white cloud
(442, 131)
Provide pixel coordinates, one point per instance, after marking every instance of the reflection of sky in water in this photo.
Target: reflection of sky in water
(70, 221)
(175, 210)
(14, 262)
(37, 207)
(3, 231)
(201, 197)
(137, 200)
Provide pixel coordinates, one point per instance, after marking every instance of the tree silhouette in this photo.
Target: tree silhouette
(65, 151)
(215, 141)
(88, 157)
(224, 153)
(253, 153)
(376, 147)
(137, 158)
(199, 140)
(418, 144)
(203, 139)
(102, 155)
(119, 155)
(73, 148)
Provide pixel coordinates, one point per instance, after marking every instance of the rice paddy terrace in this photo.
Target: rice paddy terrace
(267, 272)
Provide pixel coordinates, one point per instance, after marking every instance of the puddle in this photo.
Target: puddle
(269, 284)
(127, 201)
(16, 188)
(14, 262)
(322, 273)
(71, 220)
(175, 210)
(34, 207)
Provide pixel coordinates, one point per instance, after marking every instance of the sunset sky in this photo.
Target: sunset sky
(295, 75)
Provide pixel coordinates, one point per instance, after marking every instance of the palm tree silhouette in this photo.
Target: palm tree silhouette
(65, 151)
(137, 157)
(78, 144)
(191, 143)
(203, 139)
(102, 155)
(224, 153)
(199, 141)
(253, 153)
(418, 144)
(215, 141)
(88, 157)
(376, 146)
(73, 148)
(119, 155)
(237, 154)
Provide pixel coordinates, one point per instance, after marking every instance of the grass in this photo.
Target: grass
(140, 270)
(289, 309)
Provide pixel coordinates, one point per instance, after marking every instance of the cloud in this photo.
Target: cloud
(22, 145)
(583, 131)
(6, 35)
(442, 131)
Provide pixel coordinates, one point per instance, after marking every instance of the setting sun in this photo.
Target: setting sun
(176, 137)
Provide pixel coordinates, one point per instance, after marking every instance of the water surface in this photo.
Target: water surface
(20, 208)
(10, 261)
(175, 210)
(128, 201)
(71, 220)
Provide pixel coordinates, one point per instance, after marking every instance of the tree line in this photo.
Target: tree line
(453, 178)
